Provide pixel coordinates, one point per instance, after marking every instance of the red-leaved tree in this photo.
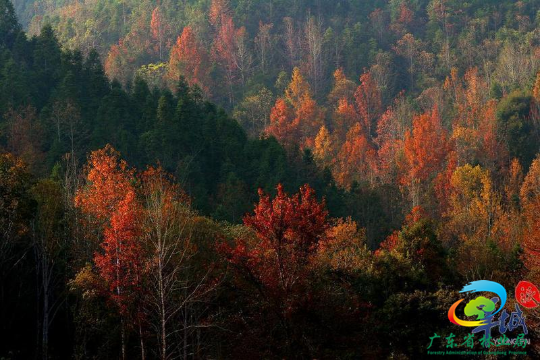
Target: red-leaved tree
(277, 263)
(289, 229)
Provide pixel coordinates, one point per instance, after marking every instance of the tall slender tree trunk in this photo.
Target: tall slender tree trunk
(162, 312)
(143, 352)
(411, 71)
(118, 292)
(123, 338)
(185, 330)
(46, 321)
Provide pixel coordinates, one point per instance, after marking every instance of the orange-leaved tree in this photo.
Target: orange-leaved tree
(189, 59)
(356, 160)
(109, 201)
(297, 111)
(343, 88)
(530, 202)
(284, 126)
(426, 147)
(368, 103)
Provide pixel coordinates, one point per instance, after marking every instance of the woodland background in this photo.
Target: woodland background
(262, 179)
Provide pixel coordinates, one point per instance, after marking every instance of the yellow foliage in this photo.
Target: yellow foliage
(473, 204)
(297, 90)
(346, 250)
(323, 151)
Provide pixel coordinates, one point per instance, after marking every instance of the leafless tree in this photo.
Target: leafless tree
(66, 116)
(254, 111)
(264, 44)
(292, 42)
(517, 64)
(48, 243)
(243, 57)
(174, 286)
(314, 47)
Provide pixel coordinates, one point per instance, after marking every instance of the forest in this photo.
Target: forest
(280, 179)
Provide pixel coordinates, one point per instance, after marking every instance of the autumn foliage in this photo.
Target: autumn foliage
(289, 230)
(530, 198)
(189, 60)
(368, 103)
(391, 149)
(425, 148)
(296, 116)
(284, 126)
(110, 201)
(290, 236)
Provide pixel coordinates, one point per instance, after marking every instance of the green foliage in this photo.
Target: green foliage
(375, 300)
(517, 128)
(9, 26)
(199, 143)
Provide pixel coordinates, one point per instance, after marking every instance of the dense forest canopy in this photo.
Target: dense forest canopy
(262, 179)
(250, 47)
